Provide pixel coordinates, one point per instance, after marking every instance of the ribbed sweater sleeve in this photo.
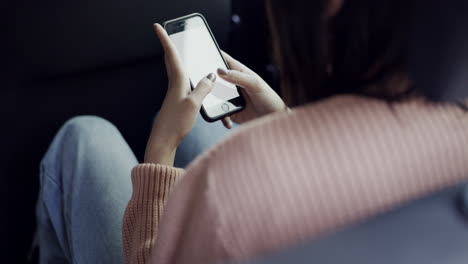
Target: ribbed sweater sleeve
(152, 185)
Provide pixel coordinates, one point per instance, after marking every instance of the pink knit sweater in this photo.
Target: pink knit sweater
(290, 177)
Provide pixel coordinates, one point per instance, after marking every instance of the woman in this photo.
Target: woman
(358, 141)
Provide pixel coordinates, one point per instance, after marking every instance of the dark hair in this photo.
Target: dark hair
(354, 51)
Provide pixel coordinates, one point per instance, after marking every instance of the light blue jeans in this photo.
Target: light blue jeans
(85, 186)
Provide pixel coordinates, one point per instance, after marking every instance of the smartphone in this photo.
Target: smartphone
(201, 55)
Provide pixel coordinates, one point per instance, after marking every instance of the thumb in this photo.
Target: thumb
(203, 88)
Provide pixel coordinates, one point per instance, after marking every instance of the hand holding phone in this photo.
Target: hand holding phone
(200, 54)
(180, 108)
(260, 98)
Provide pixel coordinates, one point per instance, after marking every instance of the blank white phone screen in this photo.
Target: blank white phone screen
(200, 57)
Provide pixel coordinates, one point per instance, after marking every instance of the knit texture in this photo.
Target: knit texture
(152, 184)
(288, 178)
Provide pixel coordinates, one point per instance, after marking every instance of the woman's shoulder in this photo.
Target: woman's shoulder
(279, 134)
(352, 111)
(326, 124)
(326, 113)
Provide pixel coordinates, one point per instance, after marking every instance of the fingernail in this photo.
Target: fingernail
(223, 71)
(211, 77)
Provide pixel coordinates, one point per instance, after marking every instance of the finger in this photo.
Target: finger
(227, 122)
(251, 83)
(203, 88)
(169, 48)
(235, 64)
(174, 66)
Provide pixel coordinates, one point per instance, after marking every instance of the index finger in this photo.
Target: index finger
(166, 42)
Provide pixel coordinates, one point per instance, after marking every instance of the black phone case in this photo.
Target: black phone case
(202, 110)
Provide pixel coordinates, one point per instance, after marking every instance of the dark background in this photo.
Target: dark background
(66, 58)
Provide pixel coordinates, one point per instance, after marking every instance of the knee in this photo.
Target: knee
(82, 133)
(87, 127)
(87, 132)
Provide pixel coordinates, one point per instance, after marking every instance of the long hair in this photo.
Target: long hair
(362, 46)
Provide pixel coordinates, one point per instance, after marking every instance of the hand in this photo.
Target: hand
(179, 109)
(260, 98)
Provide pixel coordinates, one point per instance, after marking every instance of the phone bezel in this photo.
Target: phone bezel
(239, 101)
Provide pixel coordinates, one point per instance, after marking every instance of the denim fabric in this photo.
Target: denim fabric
(85, 186)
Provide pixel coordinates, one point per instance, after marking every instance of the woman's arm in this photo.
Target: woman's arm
(154, 181)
